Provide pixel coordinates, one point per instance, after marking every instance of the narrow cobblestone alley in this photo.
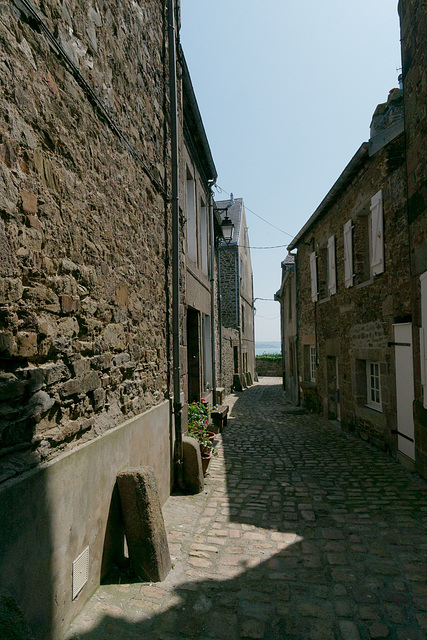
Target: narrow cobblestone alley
(302, 531)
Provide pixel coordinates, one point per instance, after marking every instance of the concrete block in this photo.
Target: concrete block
(193, 472)
(144, 524)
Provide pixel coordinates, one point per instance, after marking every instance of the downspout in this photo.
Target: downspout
(177, 406)
(212, 280)
(296, 339)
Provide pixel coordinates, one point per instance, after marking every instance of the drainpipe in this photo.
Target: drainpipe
(177, 406)
(212, 279)
(296, 340)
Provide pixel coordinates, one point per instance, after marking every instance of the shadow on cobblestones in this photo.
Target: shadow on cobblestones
(309, 533)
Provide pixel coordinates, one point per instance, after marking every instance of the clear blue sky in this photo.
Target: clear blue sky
(286, 91)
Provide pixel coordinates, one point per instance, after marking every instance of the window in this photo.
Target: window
(243, 319)
(241, 273)
(312, 364)
(190, 194)
(204, 248)
(373, 385)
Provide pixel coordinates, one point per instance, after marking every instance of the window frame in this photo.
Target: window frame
(373, 373)
(312, 363)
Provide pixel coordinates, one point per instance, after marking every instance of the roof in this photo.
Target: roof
(194, 124)
(234, 213)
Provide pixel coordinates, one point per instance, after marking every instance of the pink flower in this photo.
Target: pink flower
(202, 400)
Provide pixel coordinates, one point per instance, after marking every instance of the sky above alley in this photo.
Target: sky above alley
(286, 91)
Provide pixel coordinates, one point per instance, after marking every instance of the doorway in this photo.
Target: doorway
(193, 355)
(334, 406)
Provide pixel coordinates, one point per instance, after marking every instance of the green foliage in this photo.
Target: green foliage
(197, 415)
(198, 421)
(270, 357)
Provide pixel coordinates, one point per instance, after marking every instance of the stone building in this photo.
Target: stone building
(413, 19)
(353, 293)
(87, 284)
(201, 227)
(236, 304)
(286, 296)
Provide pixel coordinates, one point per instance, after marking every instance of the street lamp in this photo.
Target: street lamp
(227, 226)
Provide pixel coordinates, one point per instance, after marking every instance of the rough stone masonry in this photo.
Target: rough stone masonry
(84, 223)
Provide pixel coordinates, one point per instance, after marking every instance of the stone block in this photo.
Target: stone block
(29, 201)
(10, 387)
(193, 472)
(144, 524)
(26, 344)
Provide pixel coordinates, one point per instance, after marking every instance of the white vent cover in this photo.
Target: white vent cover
(80, 572)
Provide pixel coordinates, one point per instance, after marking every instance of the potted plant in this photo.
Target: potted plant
(198, 428)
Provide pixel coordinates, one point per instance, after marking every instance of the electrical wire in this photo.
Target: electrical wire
(31, 15)
(221, 190)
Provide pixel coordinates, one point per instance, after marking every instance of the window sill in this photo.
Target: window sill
(365, 284)
(374, 408)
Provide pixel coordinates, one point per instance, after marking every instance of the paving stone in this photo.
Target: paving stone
(248, 564)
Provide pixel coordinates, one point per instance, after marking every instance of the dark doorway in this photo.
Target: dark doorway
(236, 359)
(193, 354)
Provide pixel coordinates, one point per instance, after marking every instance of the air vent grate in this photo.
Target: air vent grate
(80, 572)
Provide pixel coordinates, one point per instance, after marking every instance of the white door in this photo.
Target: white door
(404, 388)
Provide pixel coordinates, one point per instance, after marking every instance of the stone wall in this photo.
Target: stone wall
(413, 19)
(84, 224)
(354, 325)
(272, 368)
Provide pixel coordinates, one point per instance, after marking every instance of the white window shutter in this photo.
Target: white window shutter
(313, 273)
(332, 269)
(348, 254)
(377, 237)
(423, 336)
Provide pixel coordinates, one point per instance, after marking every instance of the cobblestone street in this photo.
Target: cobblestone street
(302, 532)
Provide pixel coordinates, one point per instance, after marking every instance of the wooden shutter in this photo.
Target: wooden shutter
(313, 273)
(377, 237)
(423, 336)
(348, 254)
(332, 270)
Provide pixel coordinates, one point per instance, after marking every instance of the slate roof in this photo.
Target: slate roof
(235, 215)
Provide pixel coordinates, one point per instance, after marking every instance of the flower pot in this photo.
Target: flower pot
(205, 463)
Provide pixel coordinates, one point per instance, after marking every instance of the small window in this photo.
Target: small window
(312, 363)
(243, 319)
(373, 385)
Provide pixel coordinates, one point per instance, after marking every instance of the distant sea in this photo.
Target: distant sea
(267, 347)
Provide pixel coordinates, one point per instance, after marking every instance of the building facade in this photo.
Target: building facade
(200, 228)
(286, 296)
(413, 20)
(354, 295)
(236, 303)
(86, 285)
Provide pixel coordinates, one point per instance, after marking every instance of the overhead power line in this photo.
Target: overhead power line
(221, 190)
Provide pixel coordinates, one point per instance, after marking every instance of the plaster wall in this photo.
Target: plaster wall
(55, 511)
